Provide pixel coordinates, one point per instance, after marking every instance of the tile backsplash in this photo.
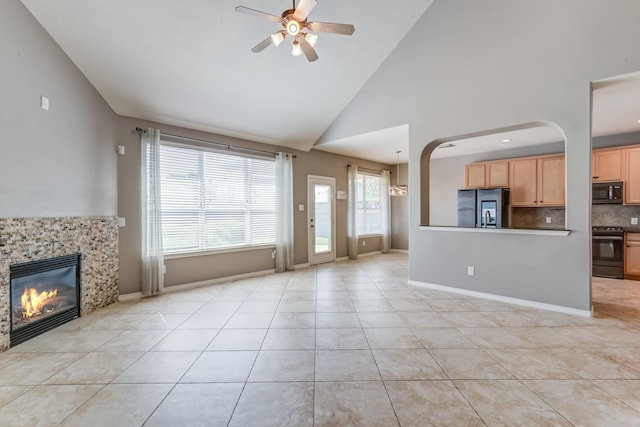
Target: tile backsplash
(601, 216)
(614, 215)
(536, 218)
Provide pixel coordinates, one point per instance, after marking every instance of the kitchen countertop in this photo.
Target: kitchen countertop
(531, 231)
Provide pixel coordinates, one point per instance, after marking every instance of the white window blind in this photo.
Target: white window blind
(368, 193)
(213, 200)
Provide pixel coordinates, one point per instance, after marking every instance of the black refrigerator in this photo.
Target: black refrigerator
(484, 208)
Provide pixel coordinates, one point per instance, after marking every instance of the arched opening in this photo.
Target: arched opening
(528, 159)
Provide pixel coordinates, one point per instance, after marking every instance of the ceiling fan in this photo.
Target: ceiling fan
(294, 22)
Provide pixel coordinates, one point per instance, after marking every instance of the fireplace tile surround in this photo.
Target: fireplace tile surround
(32, 239)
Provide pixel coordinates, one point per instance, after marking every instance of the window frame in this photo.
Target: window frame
(203, 210)
(360, 175)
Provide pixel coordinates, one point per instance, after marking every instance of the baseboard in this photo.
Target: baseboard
(301, 266)
(370, 253)
(500, 298)
(130, 297)
(194, 285)
(402, 251)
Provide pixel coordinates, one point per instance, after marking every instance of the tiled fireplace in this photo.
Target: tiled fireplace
(83, 276)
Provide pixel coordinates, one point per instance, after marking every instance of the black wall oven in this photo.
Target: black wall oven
(608, 252)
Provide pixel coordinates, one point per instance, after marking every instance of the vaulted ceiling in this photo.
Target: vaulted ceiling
(188, 63)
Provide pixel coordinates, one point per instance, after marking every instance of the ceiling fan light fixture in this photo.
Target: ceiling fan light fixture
(312, 39)
(277, 38)
(296, 50)
(293, 27)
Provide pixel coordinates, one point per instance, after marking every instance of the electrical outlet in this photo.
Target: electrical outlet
(44, 102)
(548, 220)
(273, 254)
(122, 221)
(471, 270)
(364, 243)
(634, 221)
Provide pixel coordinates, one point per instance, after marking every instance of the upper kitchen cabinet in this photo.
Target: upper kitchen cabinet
(608, 165)
(632, 176)
(537, 182)
(487, 174)
(523, 177)
(551, 181)
(497, 174)
(474, 176)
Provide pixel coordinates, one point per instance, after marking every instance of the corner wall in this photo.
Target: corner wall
(57, 167)
(469, 66)
(59, 162)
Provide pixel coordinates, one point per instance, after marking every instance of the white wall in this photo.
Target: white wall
(470, 66)
(60, 162)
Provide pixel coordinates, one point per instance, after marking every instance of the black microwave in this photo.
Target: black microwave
(606, 192)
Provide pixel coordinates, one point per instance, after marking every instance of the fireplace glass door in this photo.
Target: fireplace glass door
(44, 294)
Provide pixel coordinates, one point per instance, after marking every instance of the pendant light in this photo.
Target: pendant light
(397, 189)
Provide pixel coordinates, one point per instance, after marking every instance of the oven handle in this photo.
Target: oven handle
(607, 238)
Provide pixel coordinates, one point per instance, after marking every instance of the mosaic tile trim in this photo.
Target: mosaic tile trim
(31, 239)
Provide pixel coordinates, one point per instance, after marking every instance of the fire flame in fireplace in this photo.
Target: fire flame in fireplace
(33, 302)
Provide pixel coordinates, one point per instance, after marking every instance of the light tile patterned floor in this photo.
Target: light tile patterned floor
(340, 344)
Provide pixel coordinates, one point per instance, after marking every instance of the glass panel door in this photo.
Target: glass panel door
(321, 221)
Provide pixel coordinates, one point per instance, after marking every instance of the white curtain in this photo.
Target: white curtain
(385, 212)
(151, 219)
(352, 232)
(284, 212)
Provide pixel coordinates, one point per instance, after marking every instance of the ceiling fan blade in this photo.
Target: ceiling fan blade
(330, 27)
(307, 49)
(249, 11)
(304, 8)
(262, 45)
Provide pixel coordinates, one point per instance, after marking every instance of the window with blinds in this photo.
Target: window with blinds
(212, 200)
(368, 215)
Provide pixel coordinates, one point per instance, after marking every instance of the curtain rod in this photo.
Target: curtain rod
(366, 169)
(227, 146)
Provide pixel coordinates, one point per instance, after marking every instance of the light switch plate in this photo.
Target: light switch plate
(122, 221)
(471, 271)
(634, 221)
(301, 208)
(44, 102)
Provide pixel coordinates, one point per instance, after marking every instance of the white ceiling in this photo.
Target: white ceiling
(616, 105)
(188, 63)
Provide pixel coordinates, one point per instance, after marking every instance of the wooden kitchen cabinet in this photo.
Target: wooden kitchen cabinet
(537, 181)
(523, 180)
(551, 181)
(487, 174)
(608, 165)
(497, 174)
(474, 176)
(632, 256)
(632, 176)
